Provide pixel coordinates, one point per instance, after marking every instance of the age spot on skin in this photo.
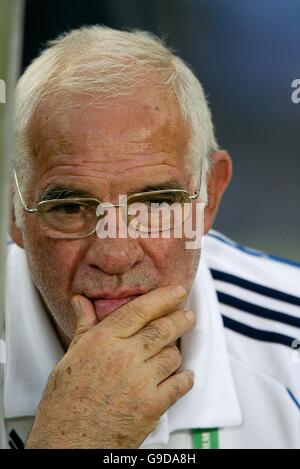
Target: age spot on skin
(69, 370)
(121, 439)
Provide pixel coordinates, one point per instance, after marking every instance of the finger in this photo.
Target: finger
(161, 332)
(164, 364)
(85, 315)
(133, 316)
(174, 388)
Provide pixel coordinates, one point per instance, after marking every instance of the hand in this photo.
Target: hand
(118, 376)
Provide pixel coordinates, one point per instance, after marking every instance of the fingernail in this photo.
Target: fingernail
(76, 306)
(190, 315)
(179, 291)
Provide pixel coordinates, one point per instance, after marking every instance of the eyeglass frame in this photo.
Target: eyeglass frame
(103, 205)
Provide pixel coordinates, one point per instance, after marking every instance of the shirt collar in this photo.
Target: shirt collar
(32, 345)
(33, 349)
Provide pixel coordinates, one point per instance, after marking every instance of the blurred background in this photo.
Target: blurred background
(11, 36)
(246, 55)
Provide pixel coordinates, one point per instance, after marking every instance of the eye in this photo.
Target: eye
(167, 198)
(67, 209)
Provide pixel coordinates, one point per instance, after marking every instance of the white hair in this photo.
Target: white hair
(105, 63)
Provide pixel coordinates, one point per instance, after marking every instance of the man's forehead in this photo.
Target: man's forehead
(140, 123)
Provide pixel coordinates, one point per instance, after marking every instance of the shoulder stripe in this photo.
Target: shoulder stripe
(16, 440)
(251, 251)
(255, 287)
(293, 398)
(257, 334)
(258, 310)
(284, 261)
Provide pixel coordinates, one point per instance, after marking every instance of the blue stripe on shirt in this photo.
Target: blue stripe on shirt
(258, 310)
(293, 398)
(257, 334)
(255, 287)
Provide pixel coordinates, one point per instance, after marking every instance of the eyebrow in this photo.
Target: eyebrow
(159, 187)
(62, 192)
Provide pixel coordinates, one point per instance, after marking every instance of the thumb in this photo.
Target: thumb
(85, 315)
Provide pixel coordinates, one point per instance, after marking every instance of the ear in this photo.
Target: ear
(218, 179)
(15, 231)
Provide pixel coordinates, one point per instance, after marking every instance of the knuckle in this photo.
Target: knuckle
(181, 384)
(135, 309)
(120, 321)
(149, 335)
(170, 360)
(175, 392)
(156, 330)
(177, 319)
(173, 356)
(151, 409)
(151, 332)
(126, 316)
(180, 322)
(190, 379)
(163, 329)
(80, 330)
(177, 356)
(101, 334)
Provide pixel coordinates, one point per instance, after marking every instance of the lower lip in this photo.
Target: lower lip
(105, 307)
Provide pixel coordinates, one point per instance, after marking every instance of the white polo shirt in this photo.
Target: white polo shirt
(243, 351)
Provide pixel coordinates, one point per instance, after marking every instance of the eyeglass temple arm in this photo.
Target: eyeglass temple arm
(197, 193)
(28, 209)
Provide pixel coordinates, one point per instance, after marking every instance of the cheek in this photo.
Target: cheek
(63, 259)
(52, 261)
(175, 263)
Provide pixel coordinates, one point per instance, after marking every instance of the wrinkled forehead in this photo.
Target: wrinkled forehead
(147, 121)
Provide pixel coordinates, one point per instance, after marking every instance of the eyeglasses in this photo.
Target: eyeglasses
(152, 211)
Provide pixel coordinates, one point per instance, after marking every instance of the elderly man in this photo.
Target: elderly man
(103, 346)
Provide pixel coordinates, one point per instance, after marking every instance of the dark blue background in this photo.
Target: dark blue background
(246, 54)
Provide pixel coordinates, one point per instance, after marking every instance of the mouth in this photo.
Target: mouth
(106, 304)
(104, 307)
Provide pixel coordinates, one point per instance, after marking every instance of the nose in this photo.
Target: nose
(112, 254)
